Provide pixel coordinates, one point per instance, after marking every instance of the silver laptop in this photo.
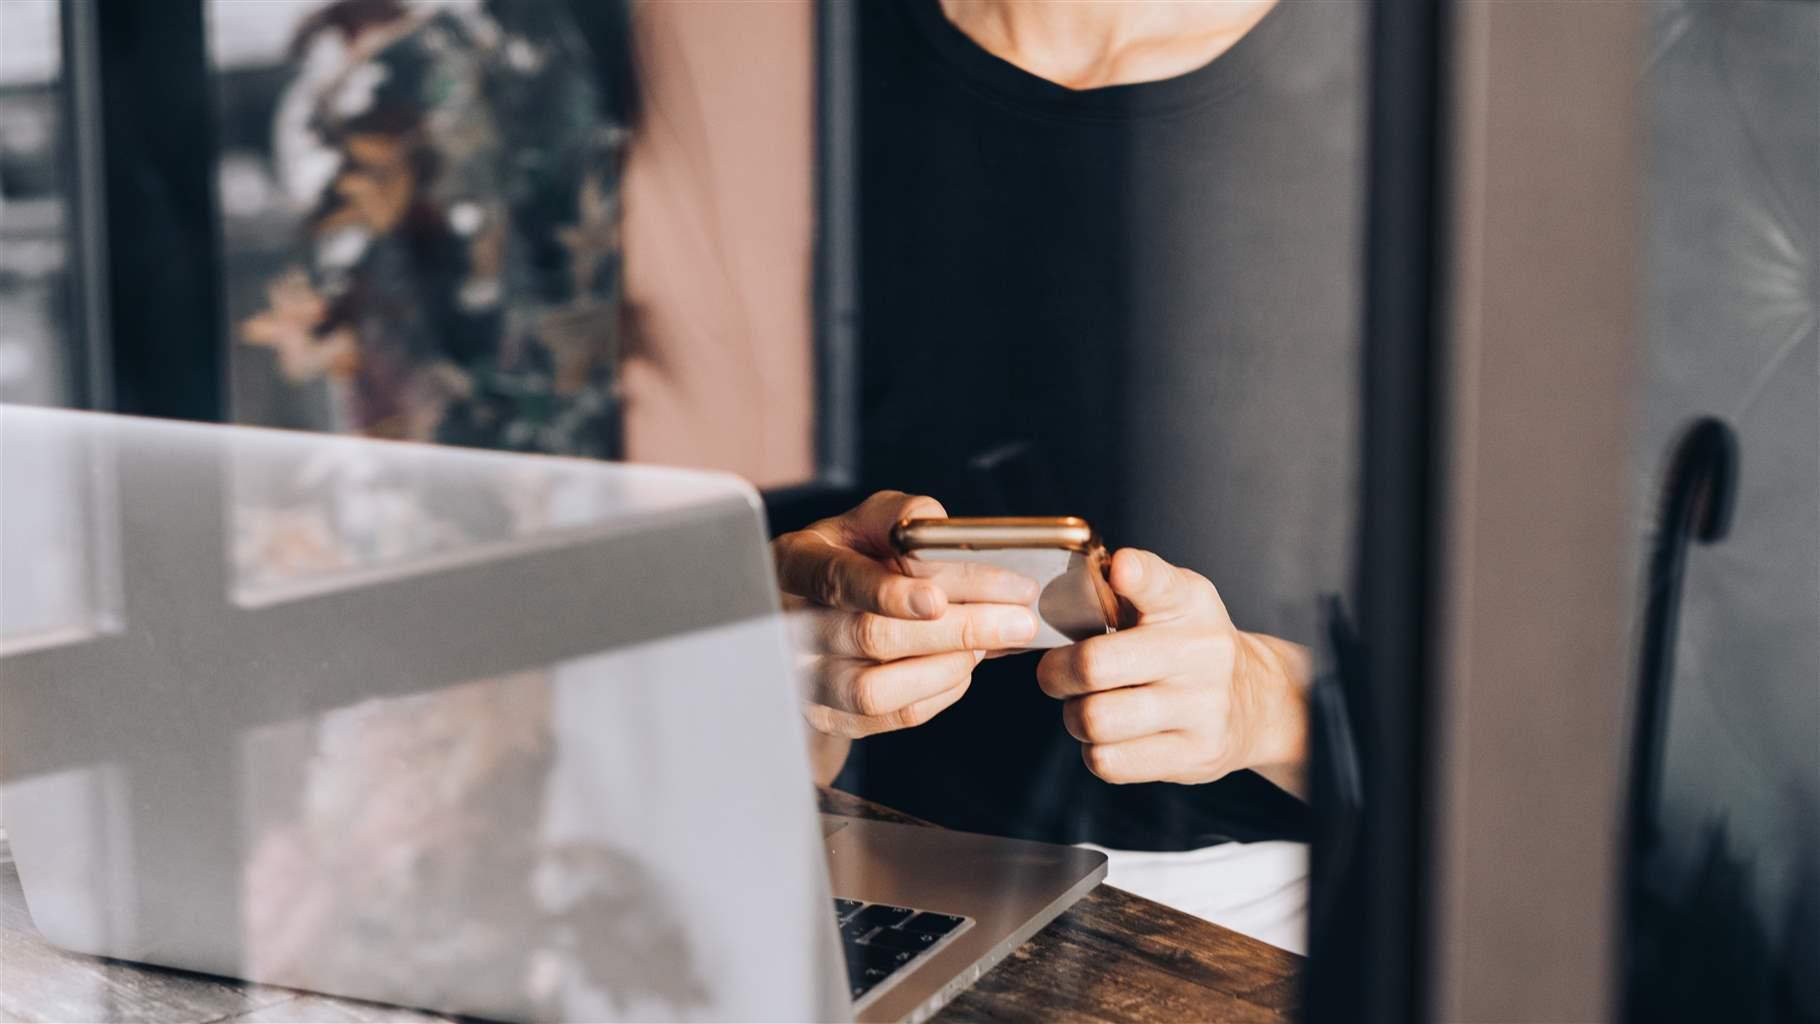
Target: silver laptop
(498, 735)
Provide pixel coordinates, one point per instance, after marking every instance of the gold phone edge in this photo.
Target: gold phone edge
(998, 533)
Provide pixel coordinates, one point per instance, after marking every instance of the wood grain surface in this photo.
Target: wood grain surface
(1116, 957)
(1113, 957)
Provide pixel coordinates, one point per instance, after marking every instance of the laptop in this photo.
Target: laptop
(507, 736)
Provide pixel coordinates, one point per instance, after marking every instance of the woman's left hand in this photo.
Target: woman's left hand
(1184, 695)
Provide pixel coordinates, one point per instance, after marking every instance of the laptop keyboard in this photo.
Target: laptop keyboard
(880, 939)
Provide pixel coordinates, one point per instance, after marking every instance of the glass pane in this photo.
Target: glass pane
(440, 225)
(516, 782)
(1124, 292)
(58, 533)
(1127, 291)
(420, 206)
(1731, 206)
(37, 337)
(49, 485)
(312, 515)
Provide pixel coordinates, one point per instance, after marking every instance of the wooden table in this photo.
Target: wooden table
(1113, 957)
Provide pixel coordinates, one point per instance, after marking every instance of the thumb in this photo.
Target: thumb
(1160, 592)
(867, 527)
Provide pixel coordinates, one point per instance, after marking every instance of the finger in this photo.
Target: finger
(1156, 589)
(1161, 757)
(1116, 715)
(836, 577)
(835, 722)
(876, 690)
(964, 627)
(1128, 658)
(973, 581)
(867, 526)
(1160, 591)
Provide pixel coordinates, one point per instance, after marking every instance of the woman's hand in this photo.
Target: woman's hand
(1183, 695)
(890, 643)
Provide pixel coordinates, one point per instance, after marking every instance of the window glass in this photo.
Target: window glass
(419, 205)
(37, 338)
(534, 225)
(1729, 195)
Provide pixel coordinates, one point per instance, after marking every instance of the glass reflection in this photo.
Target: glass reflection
(471, 771)
(1728, 854)
(39, 343)
(59, 526)
(306, 511)
(420, 203)
(445, 220)
(580, 229)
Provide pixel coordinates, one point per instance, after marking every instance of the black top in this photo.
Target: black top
(1135, 304)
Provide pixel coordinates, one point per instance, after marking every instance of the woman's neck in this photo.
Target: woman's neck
(1086, 44)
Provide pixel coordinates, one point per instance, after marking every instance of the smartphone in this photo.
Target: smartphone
(1062, 553)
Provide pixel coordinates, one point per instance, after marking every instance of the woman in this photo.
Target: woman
(1110, 246)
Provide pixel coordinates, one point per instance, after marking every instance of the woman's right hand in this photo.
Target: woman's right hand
(891, 642)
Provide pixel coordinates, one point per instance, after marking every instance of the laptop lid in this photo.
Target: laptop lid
(491, 734)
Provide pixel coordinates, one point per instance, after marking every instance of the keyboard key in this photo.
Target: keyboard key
(936, 925)
(872, 976)
(883, 959)
(856, 965)
(859, 979)
(881, 915)
(900, 938)
(874, 949)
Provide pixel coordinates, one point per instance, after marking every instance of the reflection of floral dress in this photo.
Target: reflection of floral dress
(460, 264)
(415, 846)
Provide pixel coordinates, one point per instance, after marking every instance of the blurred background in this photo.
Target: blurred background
(630, 231)
(34, 282)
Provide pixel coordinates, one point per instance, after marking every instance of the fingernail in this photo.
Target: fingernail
(922, 602)
(1030, 591)
(979, 656)
(1013, 625)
